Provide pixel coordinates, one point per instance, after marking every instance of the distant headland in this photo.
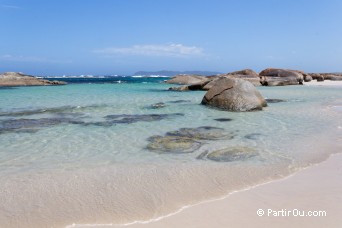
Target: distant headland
(173, 73)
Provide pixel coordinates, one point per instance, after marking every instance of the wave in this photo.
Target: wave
(110, 80)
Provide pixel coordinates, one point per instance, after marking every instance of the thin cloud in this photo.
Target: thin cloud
(33, 59)
(9, 7)
(173, 50)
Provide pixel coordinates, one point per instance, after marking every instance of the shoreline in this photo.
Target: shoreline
(323, 83)
(278, 195)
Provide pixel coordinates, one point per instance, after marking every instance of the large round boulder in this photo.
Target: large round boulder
(307, 78)
(234, 94)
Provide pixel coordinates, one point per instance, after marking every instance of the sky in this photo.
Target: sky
(104, 37)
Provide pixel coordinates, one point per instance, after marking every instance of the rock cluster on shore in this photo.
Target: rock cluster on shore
(20, 79)
(267, 77)
(234, 91)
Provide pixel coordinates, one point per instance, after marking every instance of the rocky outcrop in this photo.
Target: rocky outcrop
(267, 77)
(197, 82)
(281, 73)
(19, 79)
(278, 81)
(184, 79)
(234, 94)
(317, 76)
(280, 77)
(249, 72)
(326, 76)
(332, 76)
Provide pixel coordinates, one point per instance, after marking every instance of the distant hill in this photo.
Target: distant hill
(173, 73)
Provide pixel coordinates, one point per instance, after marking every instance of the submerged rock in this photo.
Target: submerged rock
(32, 125)
(112, 120)
(202, 155)
(158, 105)
(179, 101)
(234, 94)
(127, 119)
(201, 133)
(223, 119)
(232, 154)
(172, 144)
(185, 140)
(253, 136)
(54, 110)
(271, 100)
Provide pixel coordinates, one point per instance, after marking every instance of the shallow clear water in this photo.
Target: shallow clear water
(77, 158)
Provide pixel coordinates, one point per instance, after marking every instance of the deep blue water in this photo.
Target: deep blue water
(112, 80)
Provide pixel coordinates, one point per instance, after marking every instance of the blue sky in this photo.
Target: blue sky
(123, 36)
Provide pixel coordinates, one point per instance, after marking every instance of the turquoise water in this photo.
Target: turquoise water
(72, 135)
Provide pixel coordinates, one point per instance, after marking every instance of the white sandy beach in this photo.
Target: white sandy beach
(317, 188)
(324, 83)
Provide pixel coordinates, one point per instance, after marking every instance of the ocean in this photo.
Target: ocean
(124, 150)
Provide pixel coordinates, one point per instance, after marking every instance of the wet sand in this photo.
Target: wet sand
(317, 188)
